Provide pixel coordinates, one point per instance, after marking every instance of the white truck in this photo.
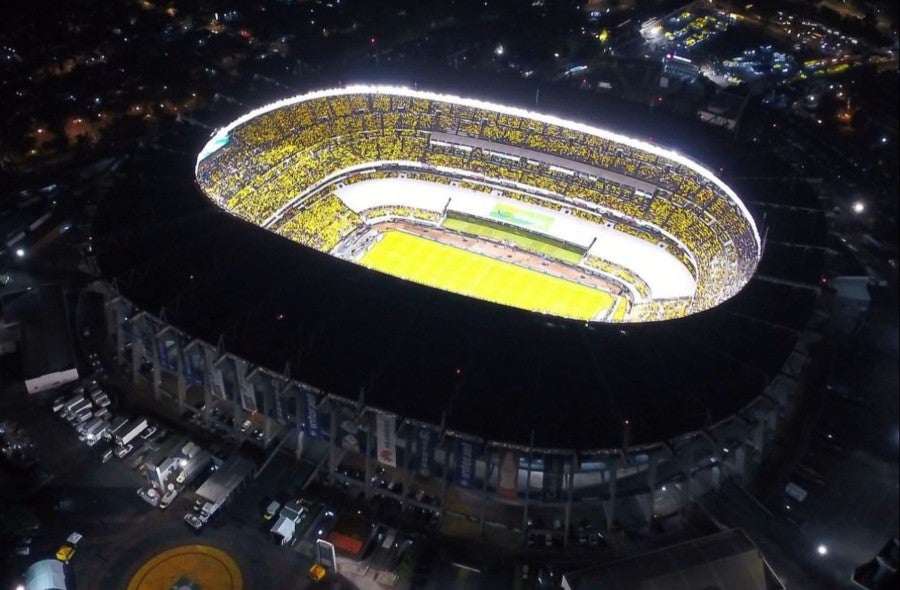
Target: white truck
(221, 485)
(67, 407)
(76, 407)
(94, 430)
(115, 426)
(130, 431)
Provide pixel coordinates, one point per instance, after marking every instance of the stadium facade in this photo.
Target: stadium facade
(632, 485)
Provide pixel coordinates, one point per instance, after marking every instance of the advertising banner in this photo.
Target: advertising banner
(311, 422)
(386, 439)
(291, 399)
(248, 397)
(194, 365)
(166, 359)
(422, 459)
(279, 406)
(553, 477)
(466, 455)
(148, 339)
(218, 383)
(522, 217)
(508, 479)
(351, 435)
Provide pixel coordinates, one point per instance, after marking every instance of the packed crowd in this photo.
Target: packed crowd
(620, 273)
(400, 211)
(659, 309)
(276, 156)
(320, 224)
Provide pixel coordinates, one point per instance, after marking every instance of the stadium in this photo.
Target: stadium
(512, 207)
(311, 272)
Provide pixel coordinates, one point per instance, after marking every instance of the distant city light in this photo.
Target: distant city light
(822, 550)
(859, 207)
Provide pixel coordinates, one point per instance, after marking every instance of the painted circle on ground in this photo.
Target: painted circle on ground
(188, 567)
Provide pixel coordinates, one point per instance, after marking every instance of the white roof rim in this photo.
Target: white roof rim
(513, 111)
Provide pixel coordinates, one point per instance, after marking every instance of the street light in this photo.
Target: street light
(822, 550)
(859, 207)
(20, 252)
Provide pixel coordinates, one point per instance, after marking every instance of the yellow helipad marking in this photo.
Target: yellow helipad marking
(207, 567)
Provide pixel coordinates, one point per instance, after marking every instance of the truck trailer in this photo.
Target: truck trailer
(115, 426)
(130, 431)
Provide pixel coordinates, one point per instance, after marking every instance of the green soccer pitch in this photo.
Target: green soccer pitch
(456, 270)
(524, 242)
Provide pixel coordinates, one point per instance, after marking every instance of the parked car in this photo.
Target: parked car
(167, 498)
(271, 510)
(23, 545)
(66, 551)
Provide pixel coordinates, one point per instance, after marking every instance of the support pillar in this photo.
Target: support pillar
(484, 485)
(611, 503)
(687, 471)
(137, 353)
(332, 443)
(209, 361)
(570, 484)
(268, 392)
(446, 470)
(368, 467)
(180, 379)
(407, 476)
(240, 369)
(651, 487)
(528, 486)
(157, 371)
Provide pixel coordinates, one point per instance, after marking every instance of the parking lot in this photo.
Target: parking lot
(80, 492)
(89, 479)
